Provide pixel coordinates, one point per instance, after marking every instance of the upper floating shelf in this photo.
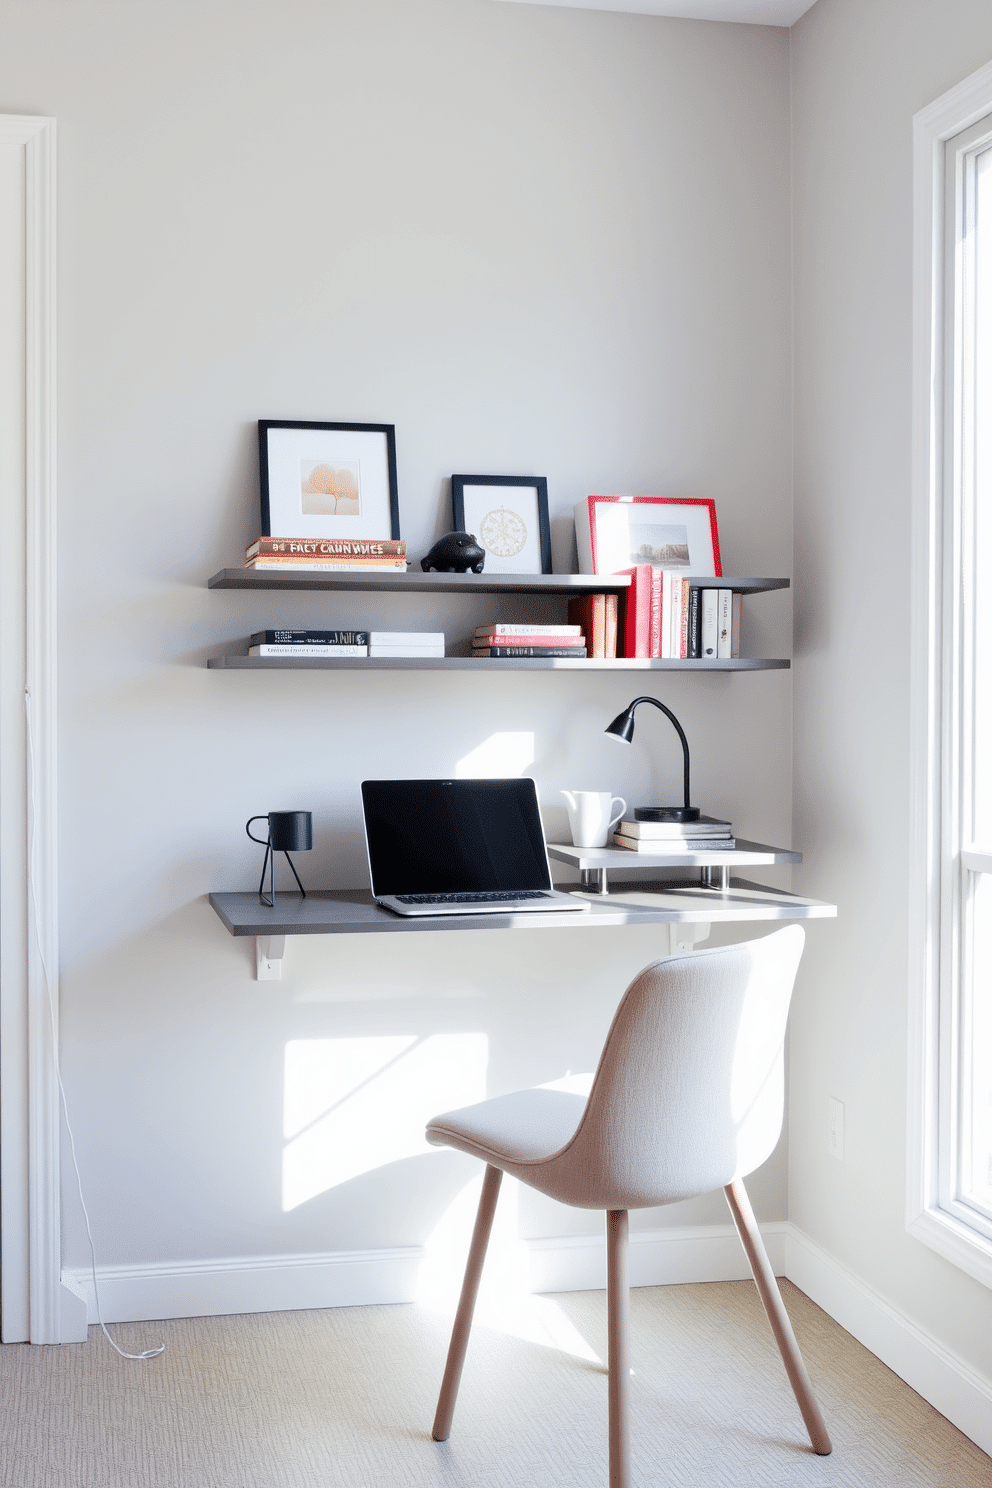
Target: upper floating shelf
(493, 665)
(417, 582)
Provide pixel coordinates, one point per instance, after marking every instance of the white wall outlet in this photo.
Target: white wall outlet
(835, 1128)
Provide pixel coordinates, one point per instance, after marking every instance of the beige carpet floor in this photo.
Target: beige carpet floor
(346, 1397)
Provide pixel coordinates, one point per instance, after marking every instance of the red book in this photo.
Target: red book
(684, 636)
(335, 548)
(528, 640)
(588, 611)
(596, 614)
(610, 641)
(637, 606)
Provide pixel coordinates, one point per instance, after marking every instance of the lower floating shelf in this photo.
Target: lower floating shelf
(485, 664)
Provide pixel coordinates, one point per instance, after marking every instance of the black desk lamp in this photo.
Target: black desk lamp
(622, 727)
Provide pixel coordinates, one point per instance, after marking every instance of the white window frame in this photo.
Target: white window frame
(940, 861)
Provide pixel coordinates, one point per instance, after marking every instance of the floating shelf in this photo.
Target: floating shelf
(416, 582)
(485, 664)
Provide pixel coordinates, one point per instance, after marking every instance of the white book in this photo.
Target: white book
(276, 650)
(735, 628)
(705, 826)
(709, 605)
(665, 649)
(406, 638)
(673, 845)
(406, 651)
(725, 623)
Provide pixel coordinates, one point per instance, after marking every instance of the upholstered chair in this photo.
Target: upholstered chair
(688, 1097)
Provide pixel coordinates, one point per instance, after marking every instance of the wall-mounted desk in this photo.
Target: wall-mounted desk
(687, 909)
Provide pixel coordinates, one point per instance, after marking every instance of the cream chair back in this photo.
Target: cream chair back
(689, 1092)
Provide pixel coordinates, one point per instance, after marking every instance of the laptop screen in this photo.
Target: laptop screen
(454, 836)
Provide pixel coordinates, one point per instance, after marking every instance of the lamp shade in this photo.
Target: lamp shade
(622, 726)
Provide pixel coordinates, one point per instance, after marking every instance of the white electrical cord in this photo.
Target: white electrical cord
(148, 1353)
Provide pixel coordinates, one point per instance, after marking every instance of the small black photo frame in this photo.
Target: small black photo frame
(323, 481)
(508, 516)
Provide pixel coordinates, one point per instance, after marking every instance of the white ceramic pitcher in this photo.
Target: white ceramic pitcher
(591, 816)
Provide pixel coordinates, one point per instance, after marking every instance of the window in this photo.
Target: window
(950, 1140)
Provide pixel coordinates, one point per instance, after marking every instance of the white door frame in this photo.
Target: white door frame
(33, 1305)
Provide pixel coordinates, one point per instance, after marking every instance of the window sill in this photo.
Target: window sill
(955, 1241)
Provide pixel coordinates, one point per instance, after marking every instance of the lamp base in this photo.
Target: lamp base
(666, 813)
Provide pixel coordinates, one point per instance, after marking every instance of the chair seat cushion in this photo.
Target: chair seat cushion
(528, 1126)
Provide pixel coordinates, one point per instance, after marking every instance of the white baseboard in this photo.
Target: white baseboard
(577, 1263)
(279, 1283)
(73, 1312)
(283, 1283)
(946, 1381)
(557, 1264)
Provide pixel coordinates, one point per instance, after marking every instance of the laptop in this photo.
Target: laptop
(459, 847)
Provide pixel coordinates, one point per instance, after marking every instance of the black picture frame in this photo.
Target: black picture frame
(277, 502)
(537, 483)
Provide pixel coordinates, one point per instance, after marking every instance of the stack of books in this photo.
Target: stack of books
(667, 616)
(387, 643)
(326, 555)
(309, 643)
(498, 640)
(596, 615)
(705, 835)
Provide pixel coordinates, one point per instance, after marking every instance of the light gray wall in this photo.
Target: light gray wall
(860, 72)
(535, 240)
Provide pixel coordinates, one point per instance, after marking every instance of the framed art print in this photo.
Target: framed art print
(615, 532)
(328, 480)
(508, 515)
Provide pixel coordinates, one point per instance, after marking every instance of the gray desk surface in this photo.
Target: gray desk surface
(354, 912)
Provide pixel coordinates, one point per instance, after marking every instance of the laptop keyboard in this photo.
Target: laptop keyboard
(493, 898)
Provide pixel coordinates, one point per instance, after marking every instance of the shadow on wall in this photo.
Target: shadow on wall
(220, 1116)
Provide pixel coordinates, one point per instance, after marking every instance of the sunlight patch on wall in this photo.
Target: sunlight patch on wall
(498, 757)
(355, 1104)
(505, 1301)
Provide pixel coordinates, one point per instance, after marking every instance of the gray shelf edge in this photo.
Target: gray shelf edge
(236, 663)
(421, 583)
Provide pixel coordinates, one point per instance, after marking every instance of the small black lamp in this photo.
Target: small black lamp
(289, 831)
(622, 727)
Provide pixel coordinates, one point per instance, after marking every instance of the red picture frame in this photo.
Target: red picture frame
(607, 540)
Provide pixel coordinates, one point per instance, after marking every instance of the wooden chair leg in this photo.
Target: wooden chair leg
(764, 1277)
(466, 1304)
(618, 1310)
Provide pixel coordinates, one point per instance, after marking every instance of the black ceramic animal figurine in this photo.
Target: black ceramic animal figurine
(456, 552)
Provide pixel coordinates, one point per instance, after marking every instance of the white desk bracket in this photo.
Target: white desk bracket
(682, 937)
(269, 951)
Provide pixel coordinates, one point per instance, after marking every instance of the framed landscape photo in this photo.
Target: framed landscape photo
(328, 480)
(508, 515)
(616, 532)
